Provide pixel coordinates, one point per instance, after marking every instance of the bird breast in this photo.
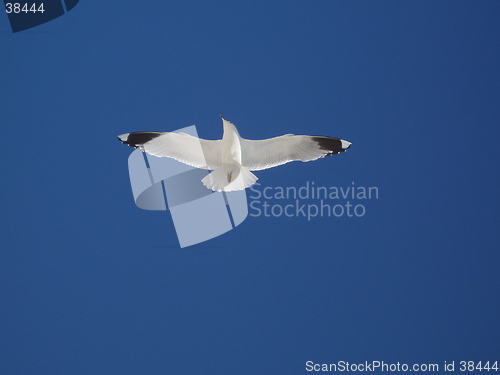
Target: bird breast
(231, 148)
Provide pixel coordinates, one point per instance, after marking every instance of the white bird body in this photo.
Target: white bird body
(231, 144)
(232, 158)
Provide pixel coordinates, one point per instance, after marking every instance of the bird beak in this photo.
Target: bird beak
(222, 117)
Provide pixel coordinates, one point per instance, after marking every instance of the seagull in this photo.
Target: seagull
(232, 158)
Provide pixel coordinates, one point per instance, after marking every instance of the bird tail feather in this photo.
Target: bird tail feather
(230, 178)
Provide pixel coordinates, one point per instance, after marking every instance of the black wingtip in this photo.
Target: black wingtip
(333, 146)
(138, 139)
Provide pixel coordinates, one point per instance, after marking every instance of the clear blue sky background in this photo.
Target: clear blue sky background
(90, 284)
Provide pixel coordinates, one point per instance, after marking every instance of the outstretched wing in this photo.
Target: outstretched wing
(268, 153)
(197, 152)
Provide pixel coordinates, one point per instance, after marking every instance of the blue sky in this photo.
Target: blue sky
(92, 284)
